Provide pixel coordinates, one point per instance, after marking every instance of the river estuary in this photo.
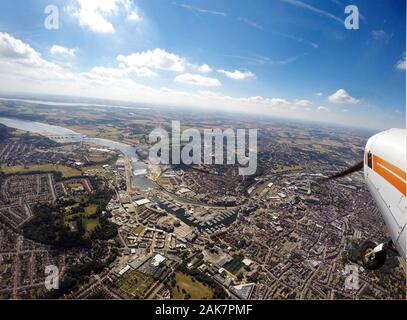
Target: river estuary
(140, 179)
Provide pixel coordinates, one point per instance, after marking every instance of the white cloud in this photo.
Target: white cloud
(273, 102)
(342, 97)
(318, 94)
(205, 68)
(60, 50)
(324, 109)
(96, 14)
(15, 52)
(302, 103)
(248, 102)
(198, 80)
(277, 102)
(93, 14)
(23, 70)
(124, 72)
(155, 59)
(15, 49)
(134, 16)
(401, 64)
(237, 75)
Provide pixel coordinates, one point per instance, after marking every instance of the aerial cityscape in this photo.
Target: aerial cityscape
(86, 212)
(118, 227)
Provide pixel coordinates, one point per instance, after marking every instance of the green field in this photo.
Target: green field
(139, 229)
(90, 225)
(99, 158)
(282, 168)
(98, 170)
(66, 172)
(135, 283)
(187, 285)
(91, 209)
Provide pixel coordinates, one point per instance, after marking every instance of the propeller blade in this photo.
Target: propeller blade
(355, 168)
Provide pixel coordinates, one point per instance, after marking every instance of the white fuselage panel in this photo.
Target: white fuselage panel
(385, 169)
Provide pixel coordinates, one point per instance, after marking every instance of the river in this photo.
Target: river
(140, 170)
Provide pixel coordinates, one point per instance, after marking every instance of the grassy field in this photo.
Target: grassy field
(107, 132)
(99, 158)
(197, 290)
(90, 225)
(98, 170)
(135, 283)
(281, 168)
(74, 185)
(91, 209)
(139, 229)
(66, 172)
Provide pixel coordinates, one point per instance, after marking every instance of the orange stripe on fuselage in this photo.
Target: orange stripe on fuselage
(393, 175)
(390, 167)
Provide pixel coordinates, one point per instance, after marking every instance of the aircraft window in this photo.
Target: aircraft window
(369, 160)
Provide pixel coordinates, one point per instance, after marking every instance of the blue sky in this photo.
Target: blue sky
(289, 58)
